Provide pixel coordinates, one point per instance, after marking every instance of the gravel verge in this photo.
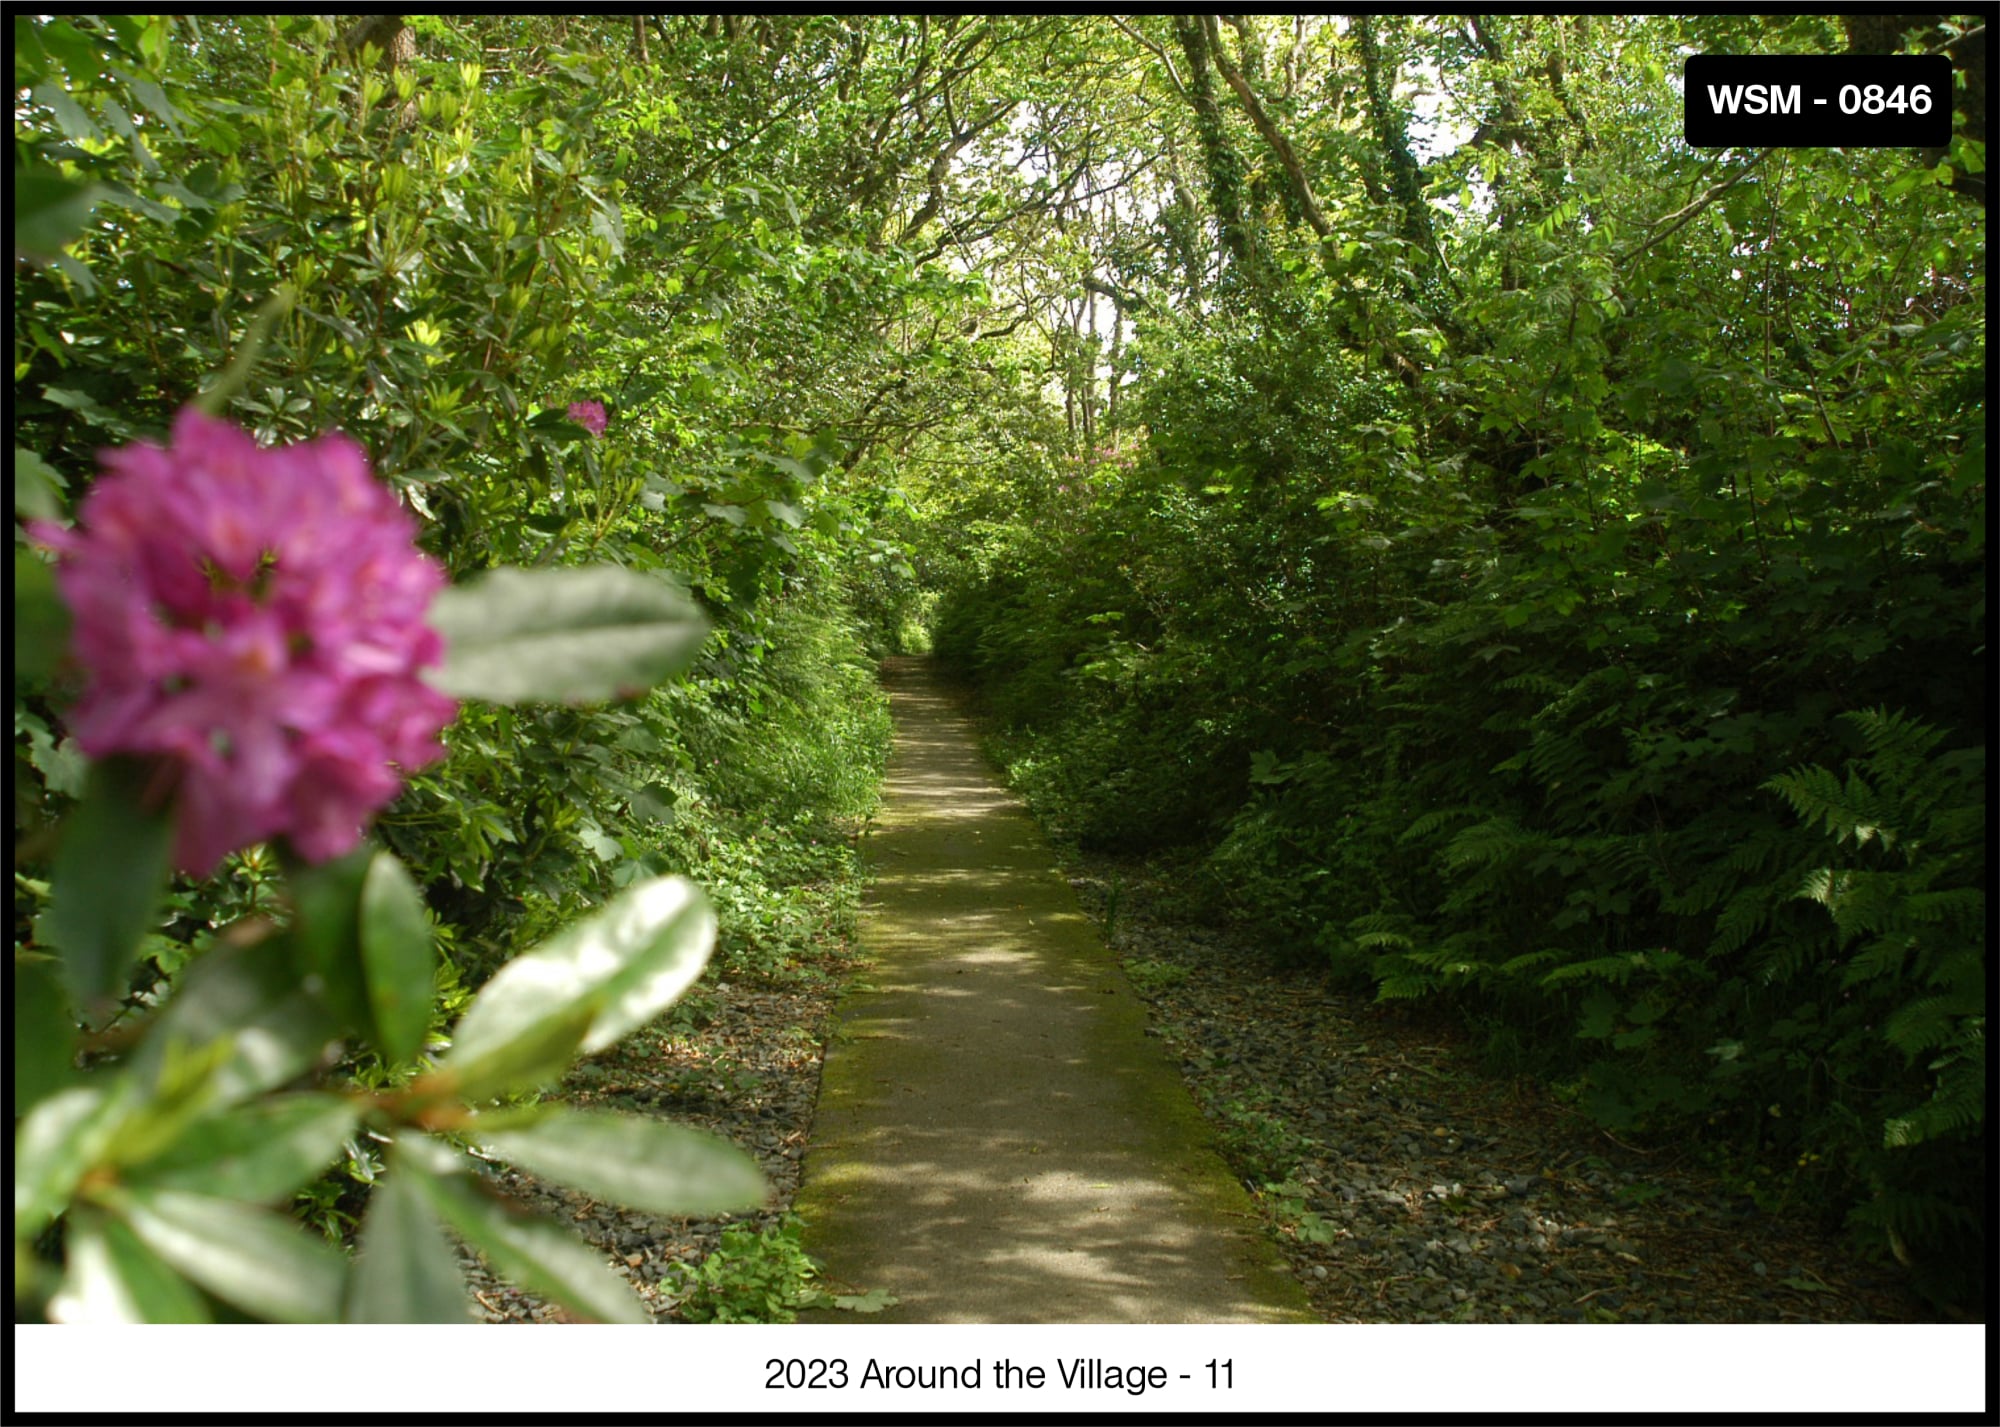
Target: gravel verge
(1405, 1187)
(739, 1057)
(1401, 1184)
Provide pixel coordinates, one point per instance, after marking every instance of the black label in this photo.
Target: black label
(1818, 101)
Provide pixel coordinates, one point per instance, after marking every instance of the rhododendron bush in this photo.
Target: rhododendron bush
(252, 630)
(252, 622)
(374, 509)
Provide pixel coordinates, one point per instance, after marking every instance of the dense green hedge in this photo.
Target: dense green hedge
(1645, 726)
(477, 258)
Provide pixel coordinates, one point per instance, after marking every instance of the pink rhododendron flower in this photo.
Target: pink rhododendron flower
(256, 619)
(590, 415)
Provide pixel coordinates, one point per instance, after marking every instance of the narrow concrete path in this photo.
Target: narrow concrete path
(997, 1140)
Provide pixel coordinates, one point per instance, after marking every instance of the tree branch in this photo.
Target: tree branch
(1279, 144)
(1124, 300)
(1173, 75)
(1680, 218)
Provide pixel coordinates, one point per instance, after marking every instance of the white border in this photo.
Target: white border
(577, 1372)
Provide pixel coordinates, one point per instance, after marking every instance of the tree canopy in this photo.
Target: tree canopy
(1522, 562)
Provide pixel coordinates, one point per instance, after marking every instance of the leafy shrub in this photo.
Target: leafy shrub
(753, 1276)
(1260, 1145)
(1149, 976)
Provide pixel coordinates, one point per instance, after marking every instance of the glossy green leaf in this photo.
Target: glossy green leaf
(44, 1036)
(514, 636)
(69, 115)
(260, 1152)
(397, 957)
(406, 1270)
(109, 872)
(41, 620)
(327, 930)
(537, 1054)
(255, 1258)
(37, 487)
(620, 967)
(654, 804)
(155, 99)
(646, 1164)
(81, 55)
(112, 1277)
(535, 1253)
(164, 1104)
(255, 996)
(50, 210)
(60, 1140)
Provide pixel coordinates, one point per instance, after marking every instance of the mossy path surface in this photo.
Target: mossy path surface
(997, 1140)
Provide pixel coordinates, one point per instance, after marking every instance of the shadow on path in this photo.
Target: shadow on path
(996, 1138)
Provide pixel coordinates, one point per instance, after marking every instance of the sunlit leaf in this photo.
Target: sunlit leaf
(53, 1148)
(406, 1270)
(619, 967)
(260, 1152)
(534, 1253)
(255, 996)
(398, 958)
(255, 1258)
(536, 1054)
(41, 620)
(601, 632)
(50, 210)
(37, 487)
(164, 1104)
(327, 930)
(109, 872)
(111, 1277)
(643, 1163)
(44, 1037)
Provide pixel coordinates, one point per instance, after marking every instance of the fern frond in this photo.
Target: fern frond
(1496, 840)
(1379, 939)
(1432, 821)
(1923, 1025)
(1615, 969)
(1404, 988)
(1960, 908)
(1895, 735)
(1882, 957)
(1957, 1103)
(1533, 682)
(1528, 961)
(1742, 917)
(1818, 796)
(1859, 901)
(1559, 760)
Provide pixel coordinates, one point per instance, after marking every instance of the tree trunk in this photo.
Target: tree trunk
(1225, 169)
(1301, 191)
(390, 34)
(1405, 177)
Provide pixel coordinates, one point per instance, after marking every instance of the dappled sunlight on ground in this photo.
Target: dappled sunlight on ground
(996, 1139)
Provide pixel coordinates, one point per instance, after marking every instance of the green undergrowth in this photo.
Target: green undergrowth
(751, 779)
(1699, 904)
(1800, 998)
(764, 1276)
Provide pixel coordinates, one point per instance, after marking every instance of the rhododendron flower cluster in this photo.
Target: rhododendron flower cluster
(590, 415)
(255, 619)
